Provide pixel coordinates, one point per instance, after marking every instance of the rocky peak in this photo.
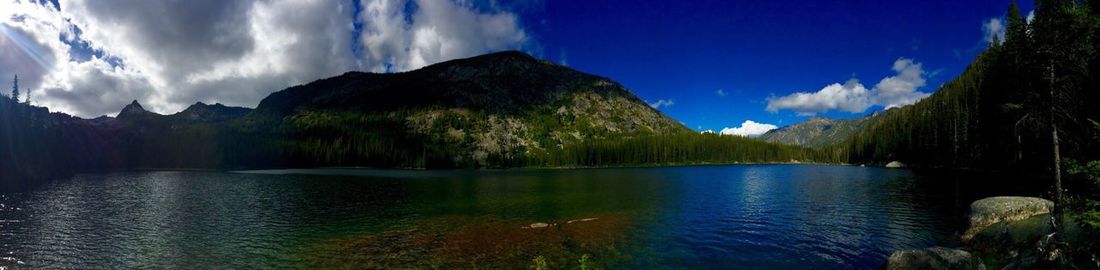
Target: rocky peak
(132, 110)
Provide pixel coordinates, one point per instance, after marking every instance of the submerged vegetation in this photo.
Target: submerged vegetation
(466, 242)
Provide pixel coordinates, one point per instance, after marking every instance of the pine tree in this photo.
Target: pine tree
(1062, 32)
(1016, 29)
(15, 89)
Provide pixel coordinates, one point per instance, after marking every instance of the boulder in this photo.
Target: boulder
(933, 258)
(895, 164)
(537, 225)
(989, 211)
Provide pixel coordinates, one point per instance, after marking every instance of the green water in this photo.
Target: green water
(744, 216)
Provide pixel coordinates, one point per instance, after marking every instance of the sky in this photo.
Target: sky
(735, 67)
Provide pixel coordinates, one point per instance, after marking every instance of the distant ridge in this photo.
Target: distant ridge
(816, 132)
(217, 112)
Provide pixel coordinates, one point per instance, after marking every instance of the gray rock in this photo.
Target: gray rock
(993, 210)
(538, 225)
(933, 258)
(895, 164)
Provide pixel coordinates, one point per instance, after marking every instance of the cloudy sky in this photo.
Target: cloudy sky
(738, 66)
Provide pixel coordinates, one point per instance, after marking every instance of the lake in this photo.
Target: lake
(736, 216)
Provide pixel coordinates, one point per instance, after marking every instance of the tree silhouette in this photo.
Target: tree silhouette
(15, 88)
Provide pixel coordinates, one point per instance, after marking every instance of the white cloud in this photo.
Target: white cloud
(171, 53)
(662, 103)
(748, 128)
(854, 97)
(437, 31)
(721, 92)
(993, 27)
(851, 97)
(24, 49)
(1030, 16)
(901, 90)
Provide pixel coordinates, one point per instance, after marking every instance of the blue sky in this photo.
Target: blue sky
(685, 51)
(775, 62)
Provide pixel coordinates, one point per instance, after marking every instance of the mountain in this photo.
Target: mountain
(816, 132)
(202, 112)
(134, 110)
(498, 110)
(504, 109)
(484, 111)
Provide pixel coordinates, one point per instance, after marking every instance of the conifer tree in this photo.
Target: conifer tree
(15, 89)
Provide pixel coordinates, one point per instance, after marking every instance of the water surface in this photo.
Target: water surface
(741, 216)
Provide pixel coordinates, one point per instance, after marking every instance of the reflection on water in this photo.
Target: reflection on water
(752, 216)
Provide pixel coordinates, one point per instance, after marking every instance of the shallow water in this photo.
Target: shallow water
(739, 216)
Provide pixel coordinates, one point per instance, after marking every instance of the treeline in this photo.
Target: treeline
(1006, 111)
(24, 147)
(36, 144)
(402, 150)
(355, 139)
(675, 149)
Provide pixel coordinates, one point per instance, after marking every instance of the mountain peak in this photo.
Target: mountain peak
(508, 54)
(501, 82)
(496, 59)
(211, 112)
(134, 109)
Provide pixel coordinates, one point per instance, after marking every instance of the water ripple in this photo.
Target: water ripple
(755, 217)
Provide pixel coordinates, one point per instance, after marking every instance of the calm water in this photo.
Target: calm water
(749, 216)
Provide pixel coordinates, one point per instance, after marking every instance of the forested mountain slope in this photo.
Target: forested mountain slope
(504, 109)
(490, 110)
(1008, 108)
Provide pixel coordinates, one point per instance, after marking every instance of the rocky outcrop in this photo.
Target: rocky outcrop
(993, 210)
(133, 110)
(895, 164)
(933, 258)
(1005, 233)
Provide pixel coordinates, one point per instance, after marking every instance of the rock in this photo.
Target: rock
(895, 164)
(537, 225)
(580, 220)
(933, 258)
(993, 210)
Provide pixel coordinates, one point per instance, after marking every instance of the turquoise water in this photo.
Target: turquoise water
(740, 216)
